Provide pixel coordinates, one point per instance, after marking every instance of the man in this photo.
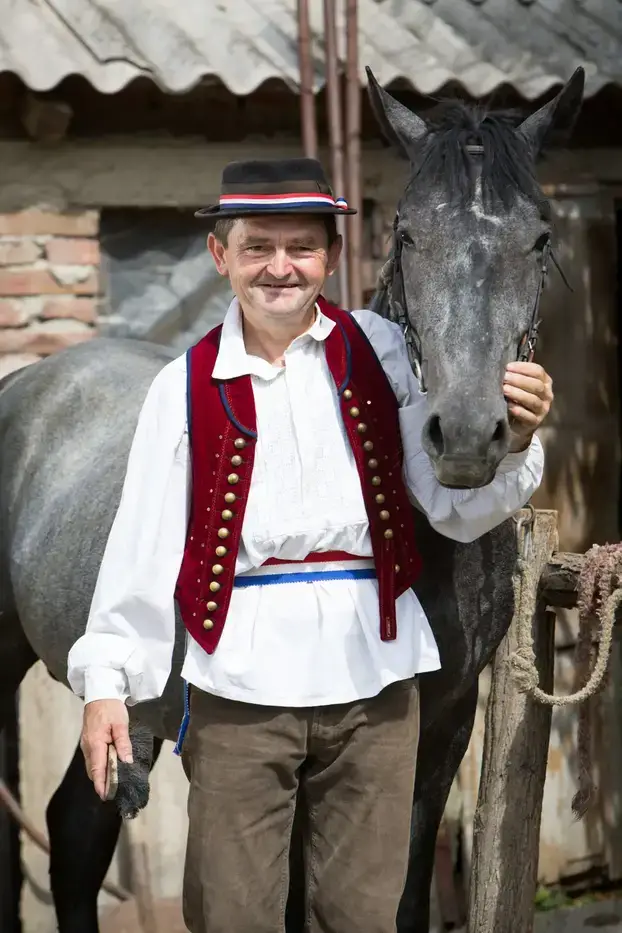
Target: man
(266, 490)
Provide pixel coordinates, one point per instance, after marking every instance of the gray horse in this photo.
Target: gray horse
(466, 268)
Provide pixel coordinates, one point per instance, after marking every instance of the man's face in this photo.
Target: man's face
(277, 265)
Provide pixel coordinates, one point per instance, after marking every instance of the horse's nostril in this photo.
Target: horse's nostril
(499, 434)
(435, 434)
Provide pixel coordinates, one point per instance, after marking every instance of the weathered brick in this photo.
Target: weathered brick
(46, 338)
(18, 252)
(80, 309)
(37, 223)
(13, 314)
(80, 252)
(42, 282)
(13, 361)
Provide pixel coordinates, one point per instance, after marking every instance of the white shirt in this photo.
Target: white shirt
(295, 644)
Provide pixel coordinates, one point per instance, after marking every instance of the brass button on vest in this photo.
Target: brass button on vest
(239, 442)
(211, 606)
(236, 460)
(354, 412)
(388, 533)
(379, 498)
(227, 515)
(361, 428)
(214, 586)
(233, 478)
(218, 568)
(384, 515)
(221, 551)
(223, 532)
(230, 497)
(372, 464)
(208, 624)
(375, 480)
(368, 445)
(347, 395)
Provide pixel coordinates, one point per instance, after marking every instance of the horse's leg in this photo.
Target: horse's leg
(16, 659)
(442, 746)
(83, 833)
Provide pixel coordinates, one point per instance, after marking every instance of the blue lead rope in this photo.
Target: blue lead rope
(184, 723)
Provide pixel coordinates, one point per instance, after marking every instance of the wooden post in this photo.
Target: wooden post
(307, 98)
(506, 830)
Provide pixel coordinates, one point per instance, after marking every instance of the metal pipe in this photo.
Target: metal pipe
(335, 132)
(307, 98)
(353, 155)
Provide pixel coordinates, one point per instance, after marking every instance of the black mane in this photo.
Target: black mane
(507, 162)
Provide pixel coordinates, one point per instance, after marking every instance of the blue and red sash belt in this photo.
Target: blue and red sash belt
(317, 566)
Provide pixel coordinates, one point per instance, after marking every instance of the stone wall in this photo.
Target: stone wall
(49, 283)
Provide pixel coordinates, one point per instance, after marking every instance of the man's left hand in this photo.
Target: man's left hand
(529, 393)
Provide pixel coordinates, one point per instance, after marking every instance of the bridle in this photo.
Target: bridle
(392, 282)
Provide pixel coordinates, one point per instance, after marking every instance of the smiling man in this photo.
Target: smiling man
(268, 492)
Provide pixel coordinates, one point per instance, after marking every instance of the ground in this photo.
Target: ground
(605, 916)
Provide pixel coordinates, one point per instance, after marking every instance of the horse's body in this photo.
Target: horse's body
(66, 426)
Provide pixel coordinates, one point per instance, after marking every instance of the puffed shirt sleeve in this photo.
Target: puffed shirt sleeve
(462, 514)
(126, 650)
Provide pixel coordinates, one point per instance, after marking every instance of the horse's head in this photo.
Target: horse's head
(471, 240)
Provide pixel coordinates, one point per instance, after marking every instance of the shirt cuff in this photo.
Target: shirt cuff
(105, 683)
(513, 462)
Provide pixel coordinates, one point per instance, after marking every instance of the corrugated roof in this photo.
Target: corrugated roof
(531, 45)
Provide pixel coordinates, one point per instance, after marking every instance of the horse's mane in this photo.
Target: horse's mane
(507, 161)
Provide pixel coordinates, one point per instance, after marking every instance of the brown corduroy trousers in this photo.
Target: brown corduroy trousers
(353, 765)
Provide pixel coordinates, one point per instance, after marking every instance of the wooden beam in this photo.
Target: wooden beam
(506, 836)
(184, 173)
(560, 579)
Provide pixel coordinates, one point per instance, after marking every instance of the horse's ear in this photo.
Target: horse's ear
(552, 124)
(401, 126)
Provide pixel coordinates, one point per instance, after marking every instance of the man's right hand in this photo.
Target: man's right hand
(105, 723)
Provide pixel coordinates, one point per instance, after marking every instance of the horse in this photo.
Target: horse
(471, 239)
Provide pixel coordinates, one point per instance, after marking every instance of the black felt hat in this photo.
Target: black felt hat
(274, 186)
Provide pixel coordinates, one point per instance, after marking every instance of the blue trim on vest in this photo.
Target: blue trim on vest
(311, 577)
(346, 340)
(231, 416)
(181, 735)
(188, 393)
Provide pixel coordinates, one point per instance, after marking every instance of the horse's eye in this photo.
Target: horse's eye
(541, 242)
(405, 237)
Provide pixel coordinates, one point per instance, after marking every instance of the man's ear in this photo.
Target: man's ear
(334, 254)
(217, 249)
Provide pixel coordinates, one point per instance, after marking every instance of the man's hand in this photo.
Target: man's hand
(105, 723)
(529, 393)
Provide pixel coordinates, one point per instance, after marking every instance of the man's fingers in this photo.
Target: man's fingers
(121, 739)
(527, 419)
(527, 383)
(527, 400)
(96, 763)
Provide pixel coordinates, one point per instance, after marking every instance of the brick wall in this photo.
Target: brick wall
(49, 284)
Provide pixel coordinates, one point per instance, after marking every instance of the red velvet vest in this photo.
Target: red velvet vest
(223, 433)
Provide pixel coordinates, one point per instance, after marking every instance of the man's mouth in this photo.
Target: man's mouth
(278, 287)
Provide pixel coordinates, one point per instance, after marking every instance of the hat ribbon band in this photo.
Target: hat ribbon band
(282, 200)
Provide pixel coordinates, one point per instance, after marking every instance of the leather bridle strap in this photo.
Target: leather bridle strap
(398, 307)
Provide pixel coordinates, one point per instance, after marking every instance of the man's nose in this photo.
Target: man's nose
(280, 265)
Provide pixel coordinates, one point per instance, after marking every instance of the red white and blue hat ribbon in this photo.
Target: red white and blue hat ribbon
(281, 201)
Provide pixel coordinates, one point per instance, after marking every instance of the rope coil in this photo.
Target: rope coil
(600, 595)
